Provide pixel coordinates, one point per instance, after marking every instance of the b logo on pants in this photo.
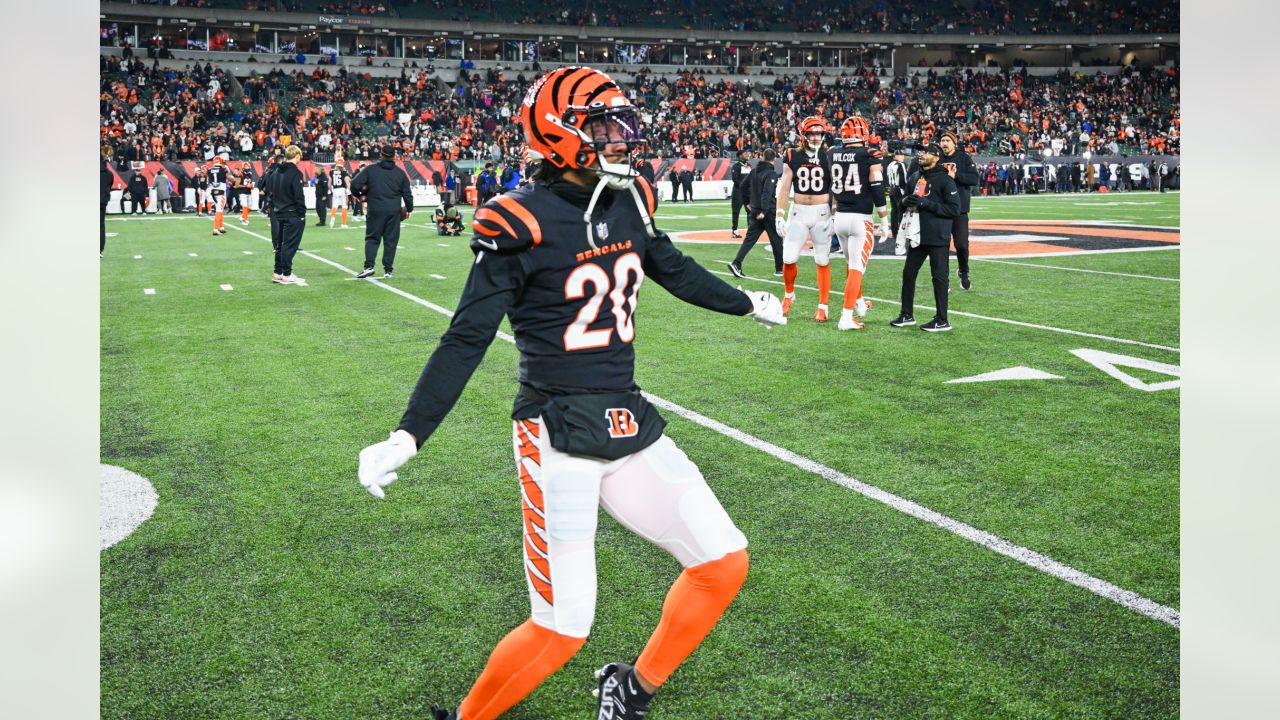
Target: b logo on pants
(622, 424)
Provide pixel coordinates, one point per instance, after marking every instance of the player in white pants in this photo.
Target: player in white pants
(657, 493)
(857, 191)
(805, 174)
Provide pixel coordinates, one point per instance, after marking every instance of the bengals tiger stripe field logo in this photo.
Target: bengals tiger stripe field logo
(622, 423)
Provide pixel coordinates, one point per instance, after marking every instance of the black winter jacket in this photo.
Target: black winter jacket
(385, 185)
(939, 204)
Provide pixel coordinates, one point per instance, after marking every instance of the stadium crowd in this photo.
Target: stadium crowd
(151, 113)
(977, 17)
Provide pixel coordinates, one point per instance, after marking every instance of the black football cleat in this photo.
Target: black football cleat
(619, 694)
(965, 282)
(903, 320)
(439, 713)
(936, 325)
(737, 271)
(367, 272)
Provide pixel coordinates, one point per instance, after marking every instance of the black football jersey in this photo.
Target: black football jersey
(809, 172)
(202, 182)
(851, 177)
(571, 298)
(341, 179)
(217, 176)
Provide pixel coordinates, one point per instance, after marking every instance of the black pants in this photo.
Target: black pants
(688, 190)
(322, 209)
(275, 240)
(290, 239)
(675, 191)
(938, 255)
(960, 236)
(754, 228)
(737, 208)
(387, 229)
(137, 206)
(102, 230)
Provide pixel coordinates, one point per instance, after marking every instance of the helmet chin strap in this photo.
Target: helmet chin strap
(586, 217)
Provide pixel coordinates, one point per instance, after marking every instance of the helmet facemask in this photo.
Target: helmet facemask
(813, 139)
(600, 127)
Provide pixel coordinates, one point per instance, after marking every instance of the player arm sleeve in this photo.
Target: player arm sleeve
(491, 288)
(875, 179)
(689, 281)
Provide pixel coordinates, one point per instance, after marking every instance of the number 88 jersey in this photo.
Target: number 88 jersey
(810, 172)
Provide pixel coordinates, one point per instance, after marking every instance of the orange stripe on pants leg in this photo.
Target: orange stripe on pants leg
(521, 660)
(693, 606)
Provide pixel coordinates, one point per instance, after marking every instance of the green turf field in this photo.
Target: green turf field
(268, 584)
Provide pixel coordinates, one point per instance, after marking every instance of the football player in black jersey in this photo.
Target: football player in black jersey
(202, 192)
(857, 186)
(340, 186)
(244, 188)
(564, 258)
(805, 171)
(218, 176)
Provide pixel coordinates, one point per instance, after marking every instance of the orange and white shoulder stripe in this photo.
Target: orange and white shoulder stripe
(650, 197)
(504, 215)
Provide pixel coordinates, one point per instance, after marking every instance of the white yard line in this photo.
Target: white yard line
(1006, 321)
(1030, 558)
(1059, 267)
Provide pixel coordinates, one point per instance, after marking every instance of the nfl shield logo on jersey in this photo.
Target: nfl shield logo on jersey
(602, 231)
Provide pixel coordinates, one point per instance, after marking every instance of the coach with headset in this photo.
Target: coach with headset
(386, 186)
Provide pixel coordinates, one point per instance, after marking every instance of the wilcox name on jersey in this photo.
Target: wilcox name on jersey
(851, 178)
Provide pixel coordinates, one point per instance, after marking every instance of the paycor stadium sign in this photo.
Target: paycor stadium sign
(344, 20)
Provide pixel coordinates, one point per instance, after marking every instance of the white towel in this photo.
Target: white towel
(910, 227)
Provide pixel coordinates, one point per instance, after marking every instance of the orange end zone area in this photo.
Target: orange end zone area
(1167, 236)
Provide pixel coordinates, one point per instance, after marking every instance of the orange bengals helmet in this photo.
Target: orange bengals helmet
(855, 130)
(569, 116)
(814, 125)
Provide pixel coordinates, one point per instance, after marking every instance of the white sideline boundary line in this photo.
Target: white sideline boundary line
(1030, 558)
(1083, 270)
(1006, 321)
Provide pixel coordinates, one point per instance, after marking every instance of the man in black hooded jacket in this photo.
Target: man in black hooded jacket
(937, 201)
(385, 185)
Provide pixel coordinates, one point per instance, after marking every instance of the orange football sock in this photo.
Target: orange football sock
(789, 272)
(217, 219)
(521, 660)
(824, 284)
(693, 606)
(244, 213)
(344, 216)
(852, 288)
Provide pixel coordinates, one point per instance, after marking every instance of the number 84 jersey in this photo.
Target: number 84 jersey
(810, 172)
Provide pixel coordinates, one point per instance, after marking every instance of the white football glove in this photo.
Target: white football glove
(780, 224)
(766, 308)
(379, 461)
(886, 231)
